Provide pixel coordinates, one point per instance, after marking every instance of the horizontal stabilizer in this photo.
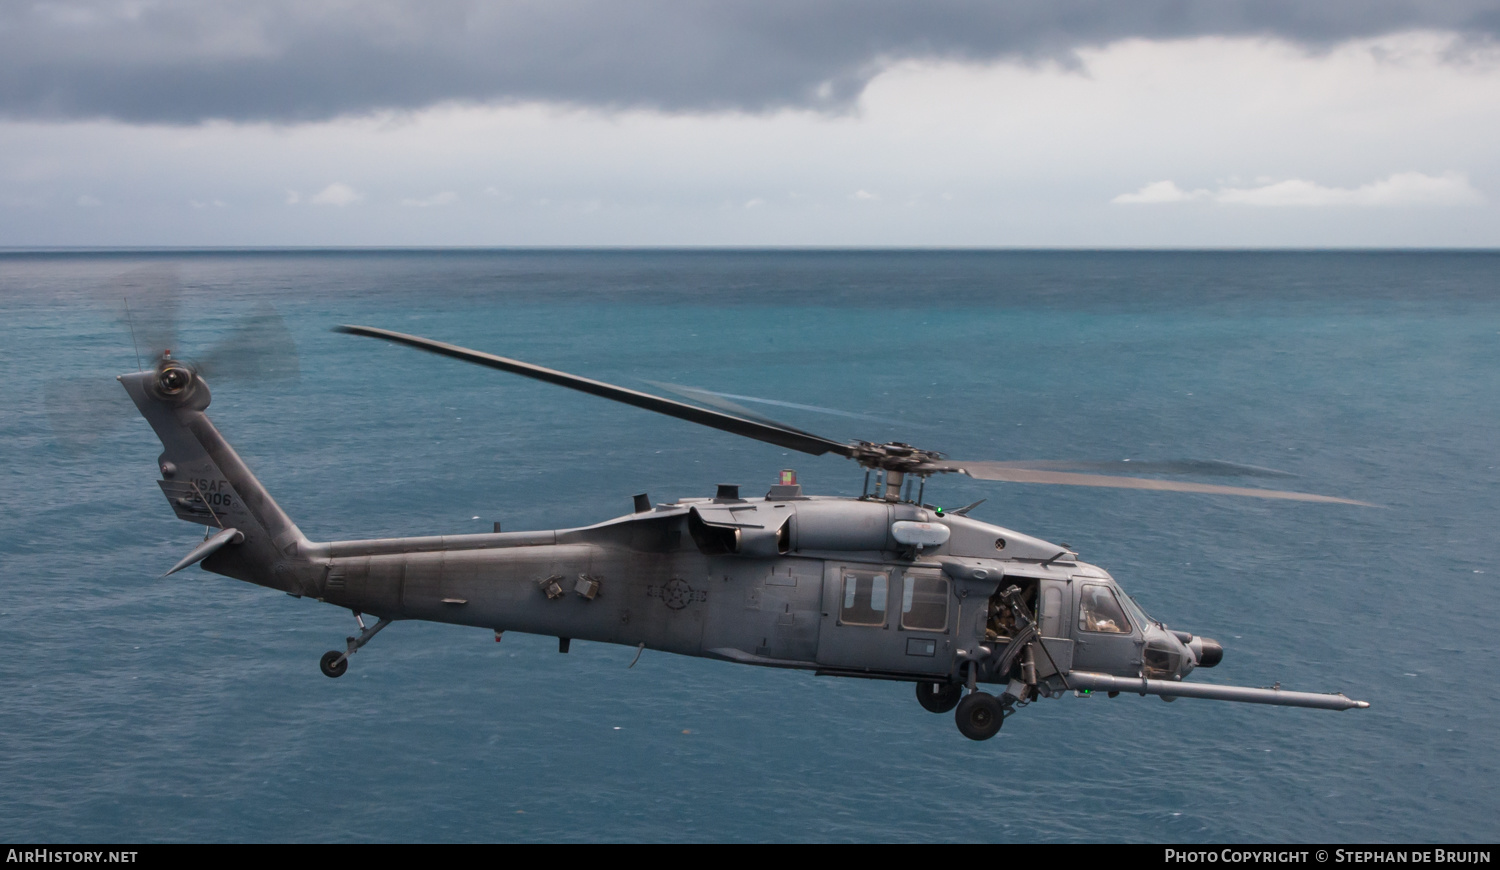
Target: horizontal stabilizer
(207, 548)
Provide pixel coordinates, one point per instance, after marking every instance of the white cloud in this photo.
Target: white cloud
(1160, 191)
(87, 201)
(757, 202)
(863, 195)
(293, 197)
(447, 197)
(336, 194)
(1400, 189)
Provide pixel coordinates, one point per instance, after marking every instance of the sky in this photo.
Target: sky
(1064, 123)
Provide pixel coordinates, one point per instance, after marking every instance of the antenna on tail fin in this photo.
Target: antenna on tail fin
(135, 345)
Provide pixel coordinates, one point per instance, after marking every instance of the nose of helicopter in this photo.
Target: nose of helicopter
(1193, 652)
(1206, 651)
(1209, 651)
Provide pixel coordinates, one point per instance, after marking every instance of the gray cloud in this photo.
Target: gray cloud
(179, 62)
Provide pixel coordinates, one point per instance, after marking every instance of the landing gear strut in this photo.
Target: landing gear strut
(335, 663)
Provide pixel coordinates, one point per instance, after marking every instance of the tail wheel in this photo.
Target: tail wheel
(334, 663)
(979, 716)
(938, 697)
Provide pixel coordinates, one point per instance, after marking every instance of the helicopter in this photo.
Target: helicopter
(982, 620)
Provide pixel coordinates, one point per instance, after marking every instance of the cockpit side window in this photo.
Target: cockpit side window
(1101, 611)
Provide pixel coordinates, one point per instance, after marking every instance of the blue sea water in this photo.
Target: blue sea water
(191, 708)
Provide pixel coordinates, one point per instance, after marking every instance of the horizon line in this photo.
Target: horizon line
(203, 249)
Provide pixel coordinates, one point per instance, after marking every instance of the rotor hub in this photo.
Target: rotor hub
(897, 456)
(172, 377)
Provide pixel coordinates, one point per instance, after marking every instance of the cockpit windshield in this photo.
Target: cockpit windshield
(1135, 610)
(1099, 610)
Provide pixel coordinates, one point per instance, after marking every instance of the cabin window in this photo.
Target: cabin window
(1100, 611)
(864, 598)
(924, 602)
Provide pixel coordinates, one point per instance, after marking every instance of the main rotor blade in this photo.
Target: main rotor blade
(727, 402)
(781, 436)
(1005, 471)
(722, 402)
(1202, 467)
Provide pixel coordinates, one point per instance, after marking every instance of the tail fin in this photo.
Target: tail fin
(206, 482)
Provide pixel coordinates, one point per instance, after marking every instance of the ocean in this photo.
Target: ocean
(190, 708)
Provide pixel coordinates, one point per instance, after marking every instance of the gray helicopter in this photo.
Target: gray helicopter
(879, 587)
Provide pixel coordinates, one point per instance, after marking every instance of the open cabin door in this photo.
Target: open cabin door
(1054, 606)
(1049, 600)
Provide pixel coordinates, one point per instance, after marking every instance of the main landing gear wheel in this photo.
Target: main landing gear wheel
(979, 716)
(334, 663)
(939, 697)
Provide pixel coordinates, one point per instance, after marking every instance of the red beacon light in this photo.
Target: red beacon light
(788, 477)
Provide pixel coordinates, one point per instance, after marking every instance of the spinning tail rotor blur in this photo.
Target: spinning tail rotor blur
(81, 409)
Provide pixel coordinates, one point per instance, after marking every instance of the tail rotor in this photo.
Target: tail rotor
(258, 346)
